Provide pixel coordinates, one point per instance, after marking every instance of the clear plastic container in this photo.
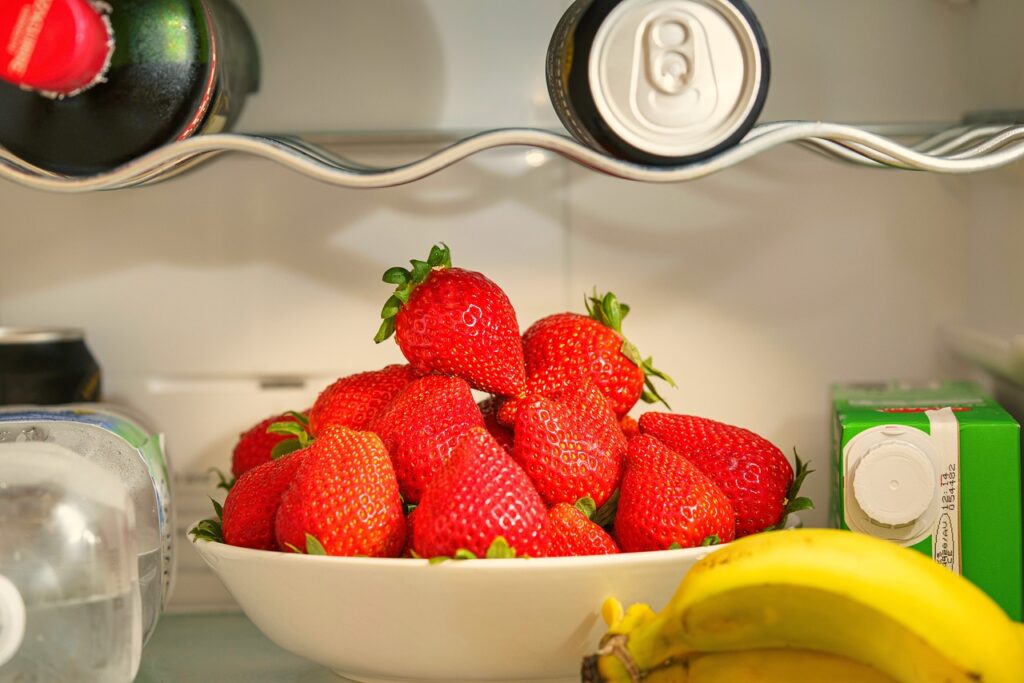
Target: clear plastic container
(121, 445)
(70, 607)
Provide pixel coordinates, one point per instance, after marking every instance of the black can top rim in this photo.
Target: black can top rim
(39, 335)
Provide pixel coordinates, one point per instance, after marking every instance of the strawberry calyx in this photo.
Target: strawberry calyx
(610, 312)
(313, 546)
(794, 501)
(604, 516)
(709, 541)
(210, 529)
(405, 281)
(498, 550)
(299, 431)
(607, 310)
(222, 481)
(587, 506)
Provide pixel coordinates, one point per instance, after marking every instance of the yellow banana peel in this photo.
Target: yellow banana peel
(845, 595)
(767, 666)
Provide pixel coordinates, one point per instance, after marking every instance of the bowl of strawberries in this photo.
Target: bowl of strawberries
(405, 529)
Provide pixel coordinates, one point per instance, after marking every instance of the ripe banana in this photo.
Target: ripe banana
(832, 592)
(767, 666)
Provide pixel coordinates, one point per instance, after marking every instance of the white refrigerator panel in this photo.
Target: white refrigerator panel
(241, 288)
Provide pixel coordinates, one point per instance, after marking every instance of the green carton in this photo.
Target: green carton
(935, 467)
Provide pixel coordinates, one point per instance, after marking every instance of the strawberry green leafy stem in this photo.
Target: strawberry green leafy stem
(587, 506)
(604, 516)
(299, 431)
(405, 281)
(313, 547)
(610, 312)
(709, 541)
(210, 529)
(794, 501)
(498, 550)
(222, 480)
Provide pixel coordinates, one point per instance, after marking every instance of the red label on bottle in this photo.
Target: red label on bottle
(25, 36)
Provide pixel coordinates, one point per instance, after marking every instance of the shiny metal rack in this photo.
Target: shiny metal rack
(956, 149)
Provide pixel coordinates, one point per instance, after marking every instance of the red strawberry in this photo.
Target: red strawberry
(422, 426)
(489, 408)
(664, 500)
(256, 445)
(571, 533)
(252, 503)
(480, 495)
(586, 400)
(563, 347)
(570, 450)
(749, 469)
(353, 401)
(629, 426)
(345, 495)
(455, 322)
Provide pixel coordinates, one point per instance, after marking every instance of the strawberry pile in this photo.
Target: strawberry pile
(405, 461)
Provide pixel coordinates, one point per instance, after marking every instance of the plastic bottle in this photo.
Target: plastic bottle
(120, 445)
(70, 608)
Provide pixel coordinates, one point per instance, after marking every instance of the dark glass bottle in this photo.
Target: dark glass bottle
(85, 87)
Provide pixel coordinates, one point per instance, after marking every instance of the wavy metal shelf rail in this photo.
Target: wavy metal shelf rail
(955, 150)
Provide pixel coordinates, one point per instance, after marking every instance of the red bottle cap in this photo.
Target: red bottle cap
(58, 46)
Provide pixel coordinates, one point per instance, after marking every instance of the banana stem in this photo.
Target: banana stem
(615, 647)
(652, 643)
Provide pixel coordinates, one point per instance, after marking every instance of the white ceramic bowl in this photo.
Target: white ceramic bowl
(475, 620)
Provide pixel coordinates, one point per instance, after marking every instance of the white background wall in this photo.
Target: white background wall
(755, 288)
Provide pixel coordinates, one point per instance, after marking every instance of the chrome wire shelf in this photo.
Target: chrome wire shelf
(956, 149)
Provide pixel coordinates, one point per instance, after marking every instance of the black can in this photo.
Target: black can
(659, 82)
(41, 366)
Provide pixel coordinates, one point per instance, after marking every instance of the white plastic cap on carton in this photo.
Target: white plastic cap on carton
(894, 483)
(12, 620)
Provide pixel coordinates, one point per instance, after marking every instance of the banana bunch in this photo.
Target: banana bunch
(813, 606)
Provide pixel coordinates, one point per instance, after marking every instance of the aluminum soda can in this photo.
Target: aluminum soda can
(658, 82)
(46, 366)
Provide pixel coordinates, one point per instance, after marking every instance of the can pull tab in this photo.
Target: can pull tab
(676, 87)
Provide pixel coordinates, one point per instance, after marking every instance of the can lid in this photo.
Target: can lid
(676, 78)
(39, 335)
(54, 46)
(12, 620)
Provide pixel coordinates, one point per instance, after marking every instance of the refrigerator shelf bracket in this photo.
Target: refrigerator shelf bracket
(957, 149)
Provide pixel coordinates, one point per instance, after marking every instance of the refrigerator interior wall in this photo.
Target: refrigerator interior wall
(996, 201)
(241, 289)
